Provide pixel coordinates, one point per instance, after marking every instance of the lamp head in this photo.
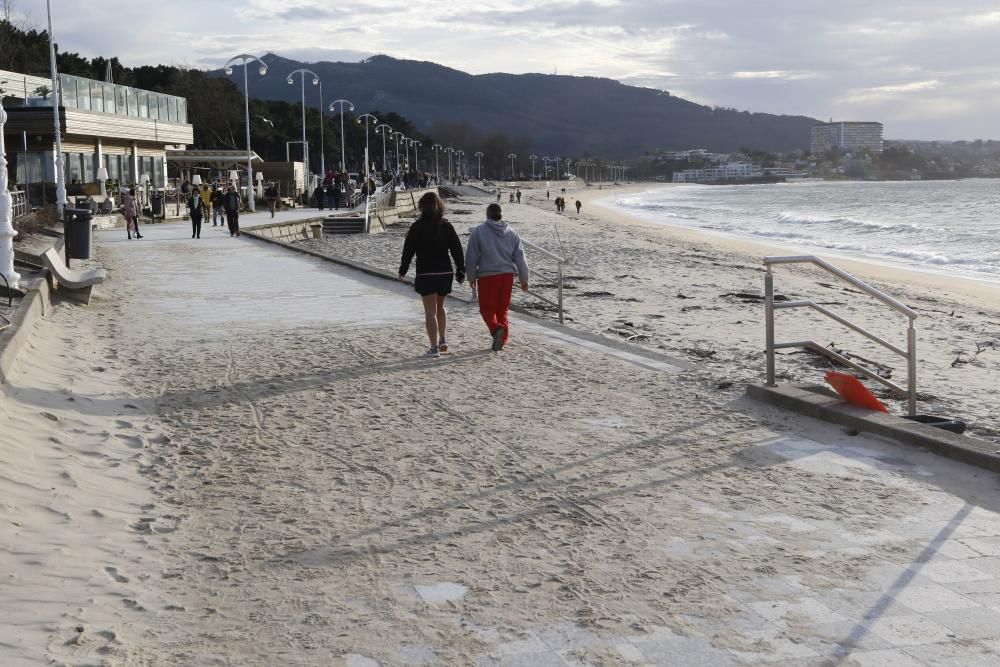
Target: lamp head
(315, 81)
(263, 70)
(289, 80)
(228, 71)
(350, 107)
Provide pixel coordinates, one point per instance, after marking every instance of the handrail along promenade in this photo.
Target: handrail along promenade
(910, 353)
(557, 278)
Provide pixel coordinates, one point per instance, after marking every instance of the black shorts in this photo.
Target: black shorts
(433, 284)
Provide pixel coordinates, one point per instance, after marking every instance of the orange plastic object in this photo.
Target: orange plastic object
(852, 391)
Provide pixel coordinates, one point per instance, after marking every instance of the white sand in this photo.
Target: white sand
(296, 486)
(668, 283)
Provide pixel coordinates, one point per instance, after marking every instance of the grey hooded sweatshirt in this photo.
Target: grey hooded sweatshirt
(494, 248)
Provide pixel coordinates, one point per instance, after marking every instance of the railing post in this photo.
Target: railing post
(11, 277)
(911, 369)
(560, 293)
(769, 325)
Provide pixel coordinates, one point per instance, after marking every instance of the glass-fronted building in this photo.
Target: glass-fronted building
(125, 130)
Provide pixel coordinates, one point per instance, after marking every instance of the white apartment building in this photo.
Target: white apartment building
(848, 137)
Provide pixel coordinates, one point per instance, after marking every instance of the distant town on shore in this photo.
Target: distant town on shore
(838, 150)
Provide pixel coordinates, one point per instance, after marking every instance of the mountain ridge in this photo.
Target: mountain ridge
(553, 113)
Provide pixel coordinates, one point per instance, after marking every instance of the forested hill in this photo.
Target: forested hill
(552, 113)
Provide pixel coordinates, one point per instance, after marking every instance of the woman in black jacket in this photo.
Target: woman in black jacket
(431, 238)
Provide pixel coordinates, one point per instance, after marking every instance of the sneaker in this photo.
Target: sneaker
(443, 347)
(432, 352)
(498, 339)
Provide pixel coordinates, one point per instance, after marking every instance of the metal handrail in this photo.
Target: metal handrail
(910, 354)
(20, 203)
(558, 278)
(10, 301)
(375, 203)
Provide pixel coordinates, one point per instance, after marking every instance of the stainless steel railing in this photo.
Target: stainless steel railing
(20, 200)
(910, 353)
(556, 278)
(376, 204)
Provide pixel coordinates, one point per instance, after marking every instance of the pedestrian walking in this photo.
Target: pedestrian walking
(578, 206)
(493, 255)
(130, 211)
(271, 195)
(519, 196)
(218, 210)
(431, 238)
(231, 204)
(206, 198)
(196, 209)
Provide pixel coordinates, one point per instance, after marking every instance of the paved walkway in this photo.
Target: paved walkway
(326, 496)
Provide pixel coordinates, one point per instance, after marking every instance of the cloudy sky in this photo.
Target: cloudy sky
(926, 68)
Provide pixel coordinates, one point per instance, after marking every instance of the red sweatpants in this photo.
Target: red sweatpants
(494, 301)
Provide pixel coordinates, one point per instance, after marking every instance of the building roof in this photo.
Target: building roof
(215, 158)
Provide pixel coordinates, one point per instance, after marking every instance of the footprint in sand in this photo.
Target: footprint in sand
(115, 575)
(133, 441)
(50, 416)
(121, 423)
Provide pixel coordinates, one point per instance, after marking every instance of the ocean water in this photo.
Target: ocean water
(948, 227)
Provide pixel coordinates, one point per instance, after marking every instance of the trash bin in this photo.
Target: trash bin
(157, 204)
(77, 224)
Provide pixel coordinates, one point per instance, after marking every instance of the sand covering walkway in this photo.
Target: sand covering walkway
(237, 456)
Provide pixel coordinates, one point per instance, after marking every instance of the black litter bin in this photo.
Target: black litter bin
(77, 224)
(157, 203)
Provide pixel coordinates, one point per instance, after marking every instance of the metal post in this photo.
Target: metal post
(769, 325)
(322, 139)
(246, 103)
(305, 149)
(60, 169)
(911, 369)
(560, 273)
(10, 276)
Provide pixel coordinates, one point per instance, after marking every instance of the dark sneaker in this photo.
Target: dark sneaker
(498, 339)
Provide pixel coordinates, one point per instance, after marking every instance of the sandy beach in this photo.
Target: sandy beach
(236, 455)
(690, 294)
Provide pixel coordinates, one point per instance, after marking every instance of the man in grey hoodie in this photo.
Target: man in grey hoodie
(493, 256)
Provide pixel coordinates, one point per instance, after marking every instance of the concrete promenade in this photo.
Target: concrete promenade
(315, 492)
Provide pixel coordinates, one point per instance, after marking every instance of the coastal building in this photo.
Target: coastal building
(727, 172)
(125, 130)
(848, 137)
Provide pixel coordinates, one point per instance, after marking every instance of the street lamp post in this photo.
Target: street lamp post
(305, 144)
(459, 169)
(366, 116)
(558, 175)
(245, 59)
(512, 157)
(343, 146)
(532, 158)
(416, 159)
(479, 154)
(399, 135)
(449, 151)
(437, 172)
(388, 130)
(56, 103)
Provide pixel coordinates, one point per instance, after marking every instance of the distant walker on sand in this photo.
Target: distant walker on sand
(494, 253)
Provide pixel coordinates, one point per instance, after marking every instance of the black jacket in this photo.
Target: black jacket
(231, 202)
(431, 242)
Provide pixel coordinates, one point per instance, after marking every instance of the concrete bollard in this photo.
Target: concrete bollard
(317, 230)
